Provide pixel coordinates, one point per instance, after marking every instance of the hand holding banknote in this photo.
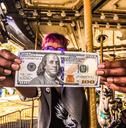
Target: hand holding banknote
(9, 63)
(113, 74)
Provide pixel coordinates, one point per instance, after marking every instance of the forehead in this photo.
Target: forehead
(52, 57)
(53, 44)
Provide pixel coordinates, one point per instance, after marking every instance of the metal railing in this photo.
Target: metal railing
(19, 119)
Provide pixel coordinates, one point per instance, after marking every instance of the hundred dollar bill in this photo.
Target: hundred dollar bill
(57, 69)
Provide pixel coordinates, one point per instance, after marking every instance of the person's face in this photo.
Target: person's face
(52, 65)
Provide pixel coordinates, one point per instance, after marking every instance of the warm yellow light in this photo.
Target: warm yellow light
(49, 13)
(115, 17)
(63, 14)
(102, 17)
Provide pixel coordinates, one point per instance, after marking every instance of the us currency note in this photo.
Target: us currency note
(77, 69)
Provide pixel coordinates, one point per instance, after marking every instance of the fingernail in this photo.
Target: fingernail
(100, 72)
(7, 72)
(110, 79)
(18, 61)
(15, 66)
(2, 78)
(105, 83)
(101, 66)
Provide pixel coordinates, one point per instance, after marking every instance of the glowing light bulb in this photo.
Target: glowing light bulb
(96, 25)
(118, 25)
(49, 13)
(49, 23)
(115, 17)
(73, 24)
(107, 25)
(77, 13)
(63, 14)
(102, 17)
(61, 24)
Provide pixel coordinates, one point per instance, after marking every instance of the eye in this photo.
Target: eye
(51, 62)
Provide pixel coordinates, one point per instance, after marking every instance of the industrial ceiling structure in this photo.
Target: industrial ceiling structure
(27, 21)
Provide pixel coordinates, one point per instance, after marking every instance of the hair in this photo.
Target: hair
(55, 37)
(41, 67)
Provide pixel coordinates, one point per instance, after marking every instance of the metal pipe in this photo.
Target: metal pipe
(89, 42)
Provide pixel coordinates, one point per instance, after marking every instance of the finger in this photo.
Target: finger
(116, 87)
(1, 70)
(103, 79)
(8, 55)
(4, 72)
(8, 82)
(7, 72)
(112, 72)
(113, 64)
(15, 66)
(17, 60)
(9, 64)
(5, 63)
(100, 72)
(116, 80)
(2, 78)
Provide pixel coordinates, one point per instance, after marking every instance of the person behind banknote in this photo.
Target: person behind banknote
(59, 107)
(48, 71)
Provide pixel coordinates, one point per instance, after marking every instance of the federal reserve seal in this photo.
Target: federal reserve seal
(31, 67)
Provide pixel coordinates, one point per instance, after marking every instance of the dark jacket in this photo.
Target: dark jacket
(74, 101)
